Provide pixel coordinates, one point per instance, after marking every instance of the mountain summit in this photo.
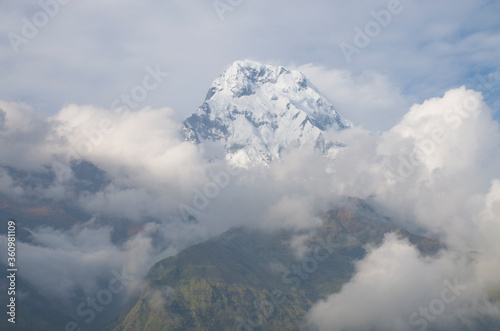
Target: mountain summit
(256, 111)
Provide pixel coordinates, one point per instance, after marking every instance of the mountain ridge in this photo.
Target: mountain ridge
(251, 279)
(257, 111)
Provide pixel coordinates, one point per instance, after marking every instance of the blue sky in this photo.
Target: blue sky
(91, 52)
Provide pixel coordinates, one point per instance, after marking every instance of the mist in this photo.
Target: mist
(435, 173)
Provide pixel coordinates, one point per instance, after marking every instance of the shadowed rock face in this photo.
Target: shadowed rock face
(250, 276)
(263, 109)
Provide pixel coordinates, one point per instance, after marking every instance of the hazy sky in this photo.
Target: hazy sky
(72, 63)
(92, 52)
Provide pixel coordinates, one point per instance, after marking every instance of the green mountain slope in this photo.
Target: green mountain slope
(252, 279)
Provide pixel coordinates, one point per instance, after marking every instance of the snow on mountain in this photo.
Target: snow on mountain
(256, 111)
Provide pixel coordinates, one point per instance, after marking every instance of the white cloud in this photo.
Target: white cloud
(436, 171)
(294, 212)
(21, 131)
(449, 190)
(369, 99)
(147, 145)
(394, 288)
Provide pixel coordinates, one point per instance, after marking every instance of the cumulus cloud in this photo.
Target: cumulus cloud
(148, 165)
(114, 142)
(444, 147)
(435, 172)
(21, 130)
(394, 288)
(488, 229)
(143, 152)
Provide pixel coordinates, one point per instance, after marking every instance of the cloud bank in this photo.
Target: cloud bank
(435, 172)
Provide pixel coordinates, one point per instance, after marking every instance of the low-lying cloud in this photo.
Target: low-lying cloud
(435, 172)
(395, 288)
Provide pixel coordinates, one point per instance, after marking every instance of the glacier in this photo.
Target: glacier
(257, 111)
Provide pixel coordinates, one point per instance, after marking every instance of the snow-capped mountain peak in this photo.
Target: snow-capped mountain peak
(256, 111)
